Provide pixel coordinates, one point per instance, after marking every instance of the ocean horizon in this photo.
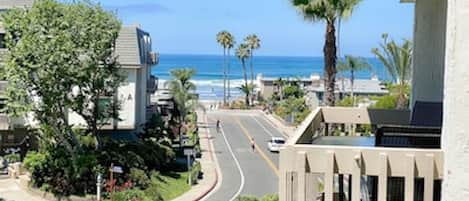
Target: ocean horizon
(209, 76)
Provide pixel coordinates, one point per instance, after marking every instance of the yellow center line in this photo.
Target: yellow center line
(261, 153)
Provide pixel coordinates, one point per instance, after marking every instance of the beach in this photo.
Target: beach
(209, 77)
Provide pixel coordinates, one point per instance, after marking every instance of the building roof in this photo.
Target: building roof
(129, 47)
(8, 4)
(360, 86)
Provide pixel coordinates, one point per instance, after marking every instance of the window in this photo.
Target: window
(104, 108)
(2, 40)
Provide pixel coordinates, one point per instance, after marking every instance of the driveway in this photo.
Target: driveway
(10, 191)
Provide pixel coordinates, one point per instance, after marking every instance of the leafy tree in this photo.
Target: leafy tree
(293, 90)
(328, 11)
(280, 83)
(353, 64)
(398, 60)
(253, 43)
(227, 41)
(243, 53)
(64, 62)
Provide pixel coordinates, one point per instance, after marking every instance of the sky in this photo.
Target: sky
(190, 26)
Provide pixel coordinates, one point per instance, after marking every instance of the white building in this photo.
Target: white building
(136, 59)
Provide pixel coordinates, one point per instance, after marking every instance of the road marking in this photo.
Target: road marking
(262, 154)
(237, 164)
(263, 127)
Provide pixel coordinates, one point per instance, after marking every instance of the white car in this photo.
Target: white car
(275, 143)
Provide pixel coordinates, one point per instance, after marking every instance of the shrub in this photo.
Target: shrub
(247, 198)
(195, 171)
(129, 195)
(271, 197)
(139, 178)
(13, 158)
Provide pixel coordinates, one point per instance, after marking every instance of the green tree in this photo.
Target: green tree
(398, 60)
(328, 11)
(227, 41)
(243, 53)
(253, 43)
(64, 62)
(183, 92)
(352, 65)
(280, 83)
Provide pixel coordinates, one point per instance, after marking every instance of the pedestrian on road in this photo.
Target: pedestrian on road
(253, 145)
(218, 125)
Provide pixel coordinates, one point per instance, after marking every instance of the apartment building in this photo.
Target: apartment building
(134, 49)
(136, 59)
(419, 154)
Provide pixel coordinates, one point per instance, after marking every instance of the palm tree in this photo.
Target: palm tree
(243, 53)
(280, 83)
(353, 64)
(226, 40)
(398, 60)
(253, 43)
(183, 92)
(328, 11)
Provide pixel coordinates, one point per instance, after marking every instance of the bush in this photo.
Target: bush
(386, 102)
(195, 171)
(139, 178)
(271, 197)
(129, 195)
(247, 198)
(13, 158)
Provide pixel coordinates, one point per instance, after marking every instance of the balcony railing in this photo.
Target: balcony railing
(154, 58)
(152, 84)
(317, 166)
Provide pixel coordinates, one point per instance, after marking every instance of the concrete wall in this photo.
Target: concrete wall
(455, 138)
(428, 54)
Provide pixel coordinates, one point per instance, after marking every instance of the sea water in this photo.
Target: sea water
(209, 71)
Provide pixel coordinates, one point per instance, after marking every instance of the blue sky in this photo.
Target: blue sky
(190, 26)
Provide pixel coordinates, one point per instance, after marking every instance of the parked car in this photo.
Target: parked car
(275, 143)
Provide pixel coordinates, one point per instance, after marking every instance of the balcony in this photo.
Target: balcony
(396, 161)
(152, 84)
(154, 58)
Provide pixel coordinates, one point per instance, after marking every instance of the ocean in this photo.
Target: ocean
(209, 77)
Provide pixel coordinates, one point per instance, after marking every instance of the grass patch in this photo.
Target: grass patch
(173, 184)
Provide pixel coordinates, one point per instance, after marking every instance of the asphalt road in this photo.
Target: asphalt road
(244, 172)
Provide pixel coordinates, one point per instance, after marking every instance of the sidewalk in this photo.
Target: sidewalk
(286, 130)
(10, 191)
(209, 166)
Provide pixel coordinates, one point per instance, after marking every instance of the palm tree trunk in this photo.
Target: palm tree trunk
(224, 76)
(228, 76)
(245, 81)
(401, 100)
(352, 79)
(330, 60)
(252, 79)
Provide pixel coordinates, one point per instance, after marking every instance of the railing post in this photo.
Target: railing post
(429, 175)
(410, 178)
(383, 178)
(329, 177)
(301, 172)
(356, 176)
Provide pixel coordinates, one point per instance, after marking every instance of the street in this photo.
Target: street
(244, 171)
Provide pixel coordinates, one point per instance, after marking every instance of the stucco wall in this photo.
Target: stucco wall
(455, 138)
(429, 48)
(127, 97)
